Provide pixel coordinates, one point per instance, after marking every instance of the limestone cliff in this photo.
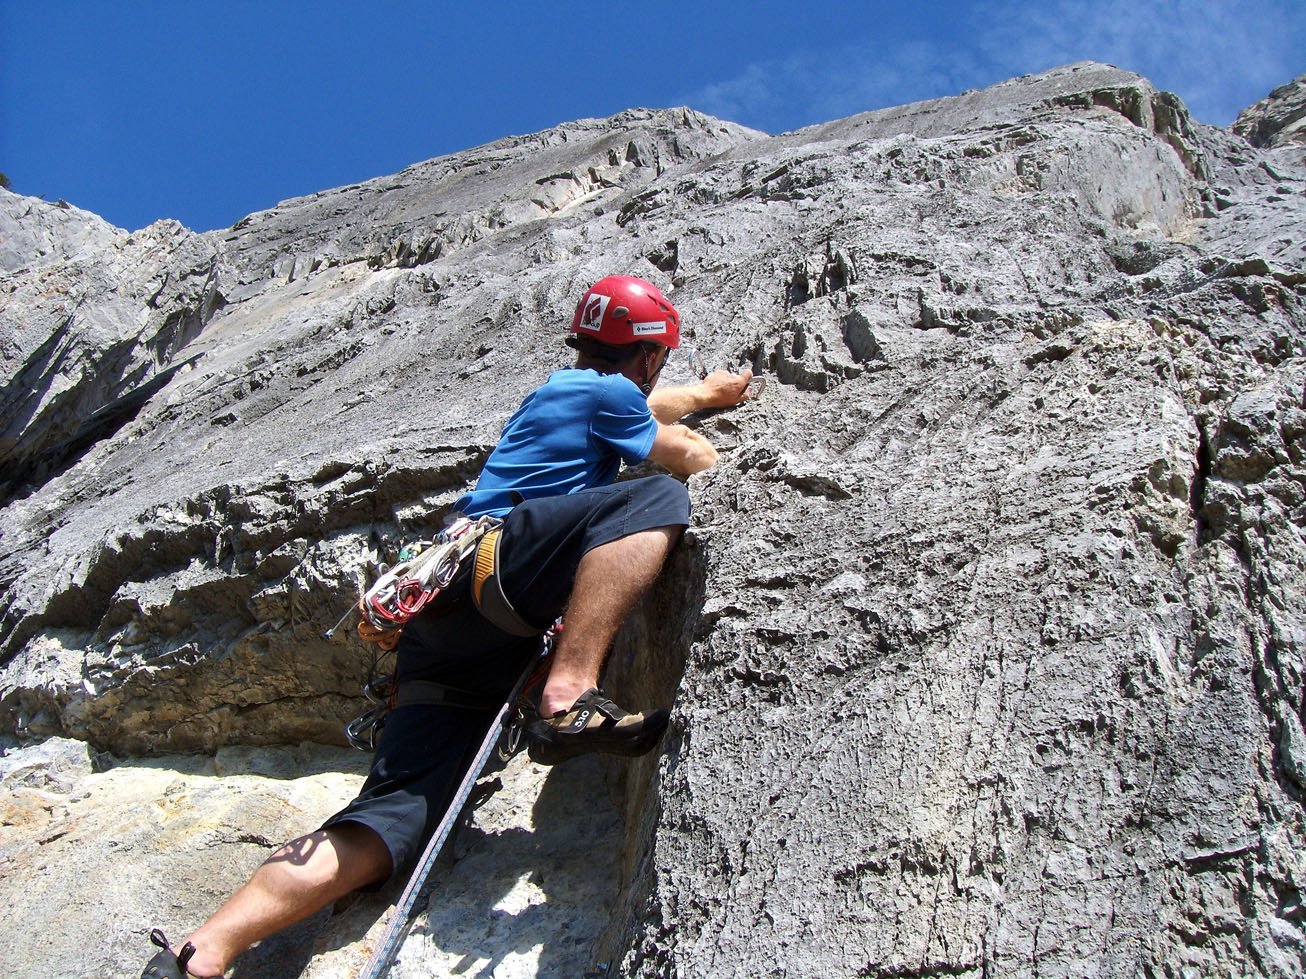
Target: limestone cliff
(1279, 119)
(986, 647)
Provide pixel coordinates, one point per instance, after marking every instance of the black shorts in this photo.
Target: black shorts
(424, 750)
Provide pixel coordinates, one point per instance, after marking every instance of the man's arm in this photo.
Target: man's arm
(720, 389)
(681, 450)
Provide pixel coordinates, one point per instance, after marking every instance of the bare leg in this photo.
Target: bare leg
(297, 881)
(609, 581)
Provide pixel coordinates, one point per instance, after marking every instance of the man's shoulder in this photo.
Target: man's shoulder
(604, 387)
(581, 376)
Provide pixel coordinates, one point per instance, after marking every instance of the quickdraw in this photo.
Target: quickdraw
(514, 727)
(364, 729)
(423, 569)
(404, 589)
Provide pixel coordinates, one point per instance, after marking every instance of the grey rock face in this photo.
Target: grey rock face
(92, 325)
(987, 645)
(1277, 120)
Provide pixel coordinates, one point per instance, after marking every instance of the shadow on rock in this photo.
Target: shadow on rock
(533, 886)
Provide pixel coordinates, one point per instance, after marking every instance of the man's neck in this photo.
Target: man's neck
(630, 368)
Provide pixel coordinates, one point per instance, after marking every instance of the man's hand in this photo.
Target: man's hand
(682, 450)
(721, 389)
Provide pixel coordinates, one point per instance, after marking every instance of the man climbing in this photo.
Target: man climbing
(572, 537)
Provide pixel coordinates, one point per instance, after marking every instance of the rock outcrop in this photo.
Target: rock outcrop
(987, 645)
(1277, 120)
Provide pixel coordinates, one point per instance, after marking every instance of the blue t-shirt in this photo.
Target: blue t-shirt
(571, 433)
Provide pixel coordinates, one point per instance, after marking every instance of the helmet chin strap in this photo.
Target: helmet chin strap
(647, 386)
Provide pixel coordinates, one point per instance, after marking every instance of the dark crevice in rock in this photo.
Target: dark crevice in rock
(103, 423)
(47, 359)
(808, 281)
(1133, 257)
(667, 257)
(1197, 488)
(859, 335)
(798, 291)
(104, 346)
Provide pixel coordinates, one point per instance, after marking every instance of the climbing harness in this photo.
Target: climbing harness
(487, 589)
(401, 916)
(403, 590)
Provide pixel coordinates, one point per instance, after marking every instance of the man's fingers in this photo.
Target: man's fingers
(740, 382)
(728, 389)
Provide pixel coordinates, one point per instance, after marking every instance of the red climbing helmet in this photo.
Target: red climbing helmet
(622, 309)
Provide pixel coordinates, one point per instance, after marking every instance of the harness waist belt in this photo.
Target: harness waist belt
(487, 591)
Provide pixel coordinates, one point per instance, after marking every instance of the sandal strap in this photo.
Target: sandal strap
(608, 709)
(591, 702)
(183, 957)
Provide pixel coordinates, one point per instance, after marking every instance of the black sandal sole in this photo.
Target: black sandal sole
(550, 749)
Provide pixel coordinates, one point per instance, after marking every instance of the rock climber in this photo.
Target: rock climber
(572, 538)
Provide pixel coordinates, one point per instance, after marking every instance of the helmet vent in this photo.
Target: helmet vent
(620, 312)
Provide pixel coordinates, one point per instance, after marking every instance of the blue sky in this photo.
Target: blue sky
(207, 112)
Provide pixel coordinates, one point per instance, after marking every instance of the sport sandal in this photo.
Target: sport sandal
(166, 964)
(593, 724)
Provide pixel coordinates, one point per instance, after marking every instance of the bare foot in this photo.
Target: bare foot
(558, 701)
(204, 964)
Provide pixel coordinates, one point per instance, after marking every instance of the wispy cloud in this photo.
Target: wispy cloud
(815, 86)
(1219, 56)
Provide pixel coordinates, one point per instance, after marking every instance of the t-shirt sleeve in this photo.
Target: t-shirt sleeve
(622, 420)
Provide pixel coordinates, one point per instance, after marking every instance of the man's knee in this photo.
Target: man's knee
(349, 852)
(364, 851)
